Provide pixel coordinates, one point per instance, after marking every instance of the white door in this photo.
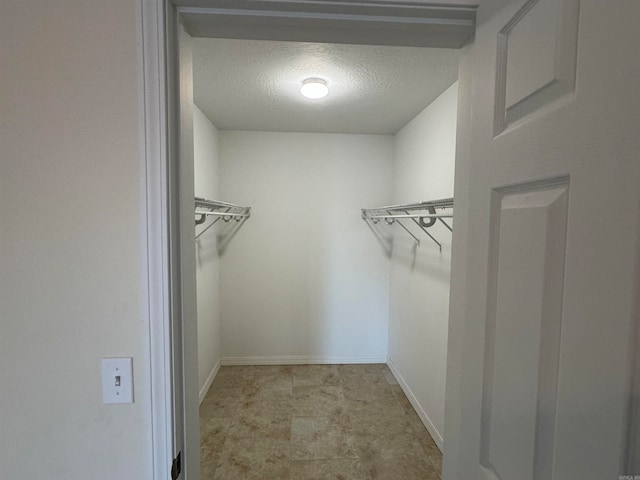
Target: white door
(545, 275)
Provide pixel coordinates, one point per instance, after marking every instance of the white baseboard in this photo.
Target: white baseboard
(437, 437)
(301, 360)
(210, 378)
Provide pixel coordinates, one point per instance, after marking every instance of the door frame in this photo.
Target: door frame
(408, 22)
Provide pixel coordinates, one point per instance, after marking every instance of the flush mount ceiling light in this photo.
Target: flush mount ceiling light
(314, 88)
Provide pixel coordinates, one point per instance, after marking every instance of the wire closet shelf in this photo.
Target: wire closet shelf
(424, 215)
(213, 209)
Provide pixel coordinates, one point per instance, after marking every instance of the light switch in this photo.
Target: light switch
(117, 380)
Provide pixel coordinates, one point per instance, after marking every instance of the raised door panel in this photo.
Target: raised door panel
(522, 337)
(536, 60)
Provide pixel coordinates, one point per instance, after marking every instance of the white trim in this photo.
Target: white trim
(435, 434)
(466, 21)
(210, 379)
(156, 68)
(304, 360)
(151, 87)
(385, 22)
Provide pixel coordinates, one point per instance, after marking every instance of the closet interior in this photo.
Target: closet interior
(319, 314)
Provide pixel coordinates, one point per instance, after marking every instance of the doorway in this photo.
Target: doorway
(306, 282)
(395, 33)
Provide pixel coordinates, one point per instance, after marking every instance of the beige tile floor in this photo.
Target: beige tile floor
(313, 422)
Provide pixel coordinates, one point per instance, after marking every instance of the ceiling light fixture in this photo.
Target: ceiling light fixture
(314, 88)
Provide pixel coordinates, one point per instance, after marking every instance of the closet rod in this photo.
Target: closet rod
(425, 216)
(417, 215)
(441, 203)
(225, 214)
(221, 210)
(206, 203)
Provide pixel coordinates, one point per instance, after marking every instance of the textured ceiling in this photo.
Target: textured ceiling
(254, 84)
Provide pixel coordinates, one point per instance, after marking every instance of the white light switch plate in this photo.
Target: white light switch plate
(117, 380)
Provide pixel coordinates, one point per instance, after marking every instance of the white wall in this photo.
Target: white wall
(419, 298)
(305, 278)
(71, 243)
(206, 174)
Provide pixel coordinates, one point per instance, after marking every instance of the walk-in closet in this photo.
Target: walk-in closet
(323, 248)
